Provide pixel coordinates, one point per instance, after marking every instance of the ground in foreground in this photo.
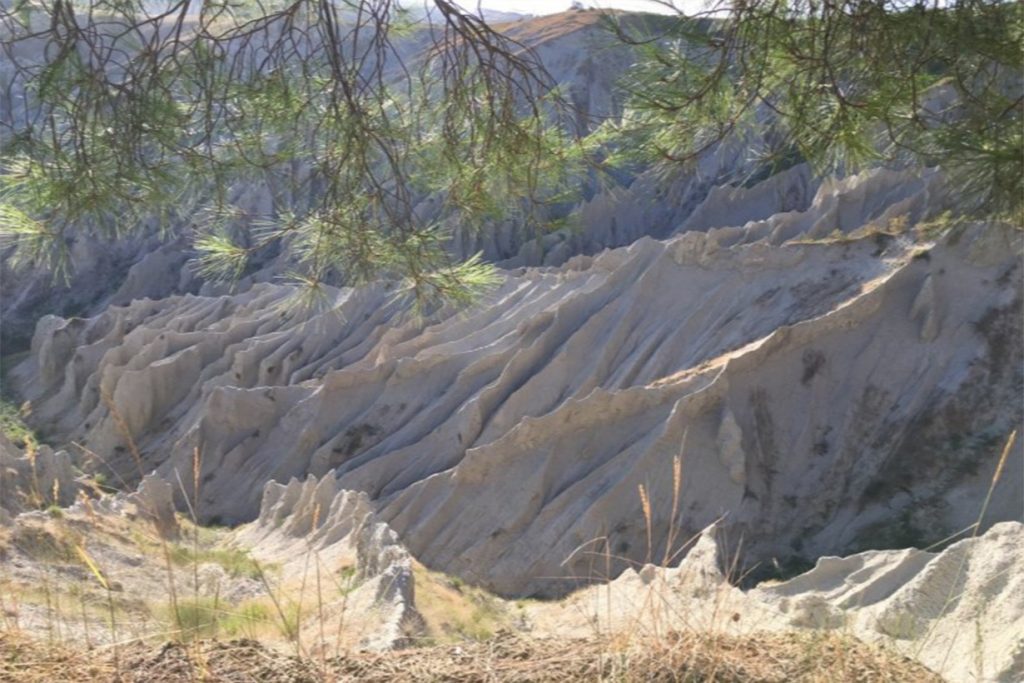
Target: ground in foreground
(505, 658)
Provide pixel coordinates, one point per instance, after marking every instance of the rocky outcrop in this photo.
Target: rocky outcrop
(338, 526)
(97, 268)
(38, 478)
(960, 611)
(154, 502)
(825, 408)
(829, 384)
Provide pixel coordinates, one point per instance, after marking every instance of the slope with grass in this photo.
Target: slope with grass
(98, 577)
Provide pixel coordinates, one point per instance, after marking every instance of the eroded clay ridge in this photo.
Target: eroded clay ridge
(958, 611)
(825, 386)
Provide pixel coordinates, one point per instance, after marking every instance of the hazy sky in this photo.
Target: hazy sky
(553, 6)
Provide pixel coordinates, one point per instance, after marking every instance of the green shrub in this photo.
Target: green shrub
(237, 563)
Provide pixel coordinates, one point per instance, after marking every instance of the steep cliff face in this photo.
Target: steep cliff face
(825, 386)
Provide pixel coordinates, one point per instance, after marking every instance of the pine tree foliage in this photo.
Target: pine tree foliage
(843, 84)
(119, 116)
(121, 113)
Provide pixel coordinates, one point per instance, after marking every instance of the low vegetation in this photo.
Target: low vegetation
(681, 658)
(207, 617)
(13, 426)
(455, 612)
(12, 422)
(237, 563)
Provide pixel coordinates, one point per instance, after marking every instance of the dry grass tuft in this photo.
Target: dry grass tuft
(507, 658)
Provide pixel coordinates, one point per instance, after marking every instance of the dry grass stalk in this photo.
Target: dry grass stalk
(122, 427)
(645, 505)
(955, 589)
